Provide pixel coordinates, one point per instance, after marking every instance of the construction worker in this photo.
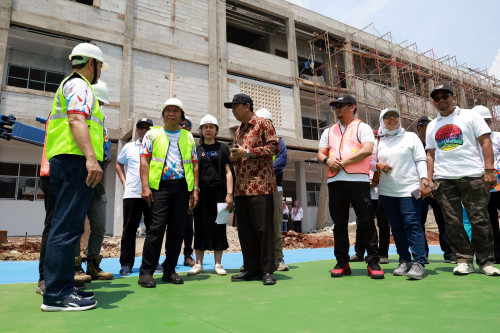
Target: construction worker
(345, 149)
(279, 163)
(169, 178)
(74, 149)
(97, 211)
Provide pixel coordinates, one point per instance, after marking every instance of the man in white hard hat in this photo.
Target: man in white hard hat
(134, 206)
(74, 149)
(97, 210)
(494, 202)
(279, 163)
(458, 177)
(169, 177)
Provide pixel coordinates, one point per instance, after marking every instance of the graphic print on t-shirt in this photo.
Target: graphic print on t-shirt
(449, 137)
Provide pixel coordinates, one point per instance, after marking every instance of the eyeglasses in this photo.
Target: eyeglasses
(184, 125)
(443, 97)
(391, 116)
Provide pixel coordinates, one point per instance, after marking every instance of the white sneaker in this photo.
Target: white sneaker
(489, 270)
(197, 269)
(220, 270)
(464, 268)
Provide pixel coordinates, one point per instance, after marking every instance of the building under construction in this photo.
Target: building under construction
(290, 60)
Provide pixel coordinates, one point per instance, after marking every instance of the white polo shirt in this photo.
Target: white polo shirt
(454, 140)
(129, 156)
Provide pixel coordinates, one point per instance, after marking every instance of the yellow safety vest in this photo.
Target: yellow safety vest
(159, 155)
(59, 136)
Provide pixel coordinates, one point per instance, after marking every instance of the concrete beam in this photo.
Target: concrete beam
(260, 74)
(70, 28)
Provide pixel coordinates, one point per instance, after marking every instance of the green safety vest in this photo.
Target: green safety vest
(159, 155)
(59, 136)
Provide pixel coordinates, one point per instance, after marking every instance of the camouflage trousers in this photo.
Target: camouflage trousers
(472, 193)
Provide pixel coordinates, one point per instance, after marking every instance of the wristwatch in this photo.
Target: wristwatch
(426, 183)
(325, 159)
(197, 189)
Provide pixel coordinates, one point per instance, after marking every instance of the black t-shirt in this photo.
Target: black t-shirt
(212, 160)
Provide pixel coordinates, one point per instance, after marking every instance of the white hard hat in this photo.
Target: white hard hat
(87, 50)
(263, 113)
(209, 119)
(483, 111)
(174, 102)
(101, 91)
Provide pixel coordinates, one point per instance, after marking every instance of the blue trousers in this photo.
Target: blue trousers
(72, 199)
(404, 217)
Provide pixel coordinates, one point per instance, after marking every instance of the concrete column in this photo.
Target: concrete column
(222, 63)
(322, 214)
(349, 67)
(213, 68)
(118, 197)
(5, 13)
(128, 35)
(292, 56)
(301, 193)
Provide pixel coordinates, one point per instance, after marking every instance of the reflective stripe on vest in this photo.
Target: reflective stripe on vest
(159, 155)
(343, 146)
(59, 136)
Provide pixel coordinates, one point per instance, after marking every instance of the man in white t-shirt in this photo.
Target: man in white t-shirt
(134, 206)
(458, 176)
(345, 149)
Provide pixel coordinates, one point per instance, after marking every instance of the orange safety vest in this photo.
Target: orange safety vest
(343, 146)
(45, 166)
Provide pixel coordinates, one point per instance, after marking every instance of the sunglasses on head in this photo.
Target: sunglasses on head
(443, 97)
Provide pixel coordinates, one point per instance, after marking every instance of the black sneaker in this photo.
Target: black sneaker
(83, 294)
(70, 303)
(374, 271)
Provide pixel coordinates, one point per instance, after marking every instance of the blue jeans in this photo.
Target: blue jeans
(72, 199)
(284, 225)
(404, 217)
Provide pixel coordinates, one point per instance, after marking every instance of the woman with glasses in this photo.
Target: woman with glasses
(216, 186)
(401, 159)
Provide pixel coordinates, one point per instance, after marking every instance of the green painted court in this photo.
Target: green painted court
(305, 299)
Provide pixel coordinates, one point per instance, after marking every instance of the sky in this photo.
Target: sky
(469, 30)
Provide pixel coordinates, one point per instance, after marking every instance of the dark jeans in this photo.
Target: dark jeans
(469, 191)
(256, 231)
(342, 195)
(188, 236)
(49, 193)
(171, 202)
(133, 210)
(297, 226)
(438, 215)
(404, 217)
(384, 232)
(68, 174)
(493, 206)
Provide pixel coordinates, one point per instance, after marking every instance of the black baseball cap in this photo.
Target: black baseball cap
(344, 99)
(424, 120)
(144, 120)
(239, 99)
(441, 87)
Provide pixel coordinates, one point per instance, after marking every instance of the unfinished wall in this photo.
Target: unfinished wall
(287, 127)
